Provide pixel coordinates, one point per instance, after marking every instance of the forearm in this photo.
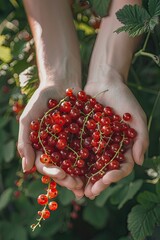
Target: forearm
(112, 49)
(57, 49)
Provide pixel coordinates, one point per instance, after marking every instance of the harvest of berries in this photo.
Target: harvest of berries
(82, 137)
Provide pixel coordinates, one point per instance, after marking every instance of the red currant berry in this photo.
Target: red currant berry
(113, 165)
(52, 193)
(45, 179)
(81, 95)
(127, 117)
(69, 92)
(52, 103)
(80, 163)
(34, 137)
(131, 133)
(65, 107)
(74, 128)
(56, 128)
(52, 185)
(34, 125)
(42, 199)
(53, 206)
(45, 158)
(84, 153)
(44, 213)
(61, 143)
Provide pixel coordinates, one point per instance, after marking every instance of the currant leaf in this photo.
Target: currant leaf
(142, 221)
(154, 7)
(132, 189)
(100, 6)
(135, 19)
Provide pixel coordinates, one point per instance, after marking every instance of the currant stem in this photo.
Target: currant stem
(109, 161)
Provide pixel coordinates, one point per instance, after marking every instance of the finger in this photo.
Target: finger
(78, 193)
(25, 148)
(88, 192)
(140, 146)
(125, 170)
(53, 172)
(98, 187)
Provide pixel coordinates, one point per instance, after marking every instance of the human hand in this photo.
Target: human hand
(34, 110)
(121, 99)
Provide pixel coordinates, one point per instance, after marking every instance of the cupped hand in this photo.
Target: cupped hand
(120, 98)
(35, 109)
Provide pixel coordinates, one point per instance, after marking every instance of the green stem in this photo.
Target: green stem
(152, 114)
(146, 41)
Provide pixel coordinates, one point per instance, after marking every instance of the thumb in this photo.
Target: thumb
(25, 148)
(139, 148)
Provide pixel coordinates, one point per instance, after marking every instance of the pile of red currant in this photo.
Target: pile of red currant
(81, 136)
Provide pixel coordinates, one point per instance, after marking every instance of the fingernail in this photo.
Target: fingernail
(92, 198)
(24, 164)
(78, 198)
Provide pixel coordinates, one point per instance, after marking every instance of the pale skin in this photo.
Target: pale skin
(59, 67)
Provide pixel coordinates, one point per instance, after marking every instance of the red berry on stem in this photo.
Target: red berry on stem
(53, 206)
(42, 199)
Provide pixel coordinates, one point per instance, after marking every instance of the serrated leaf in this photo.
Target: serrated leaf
(142, 221)
(5, 54)
(95, 216)
(5, 198)
(100, 7)
(135, 19)
(147, 199)
(133, 188)
(8, 151)
(66, 196)
(154, 7)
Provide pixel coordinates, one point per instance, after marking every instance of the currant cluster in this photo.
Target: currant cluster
(45, 200)
(82, 136)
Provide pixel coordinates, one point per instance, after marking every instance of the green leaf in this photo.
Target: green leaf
(95, 216)
(5, 198)
(142, 221)
(133, 188)
(154, 7)
(125, 238)
(8, 151)
(110, 191)
(147, 199)
(35, 188)
(19, 232)
(105, 195)
(135, 19)
(158, 188)
(66, 196)
(100, 7)
(5, 54)
(4, 121)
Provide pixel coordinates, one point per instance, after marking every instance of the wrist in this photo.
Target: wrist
(104, 74)
(64, 72)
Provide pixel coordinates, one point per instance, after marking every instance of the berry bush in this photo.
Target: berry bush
(127, 210)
